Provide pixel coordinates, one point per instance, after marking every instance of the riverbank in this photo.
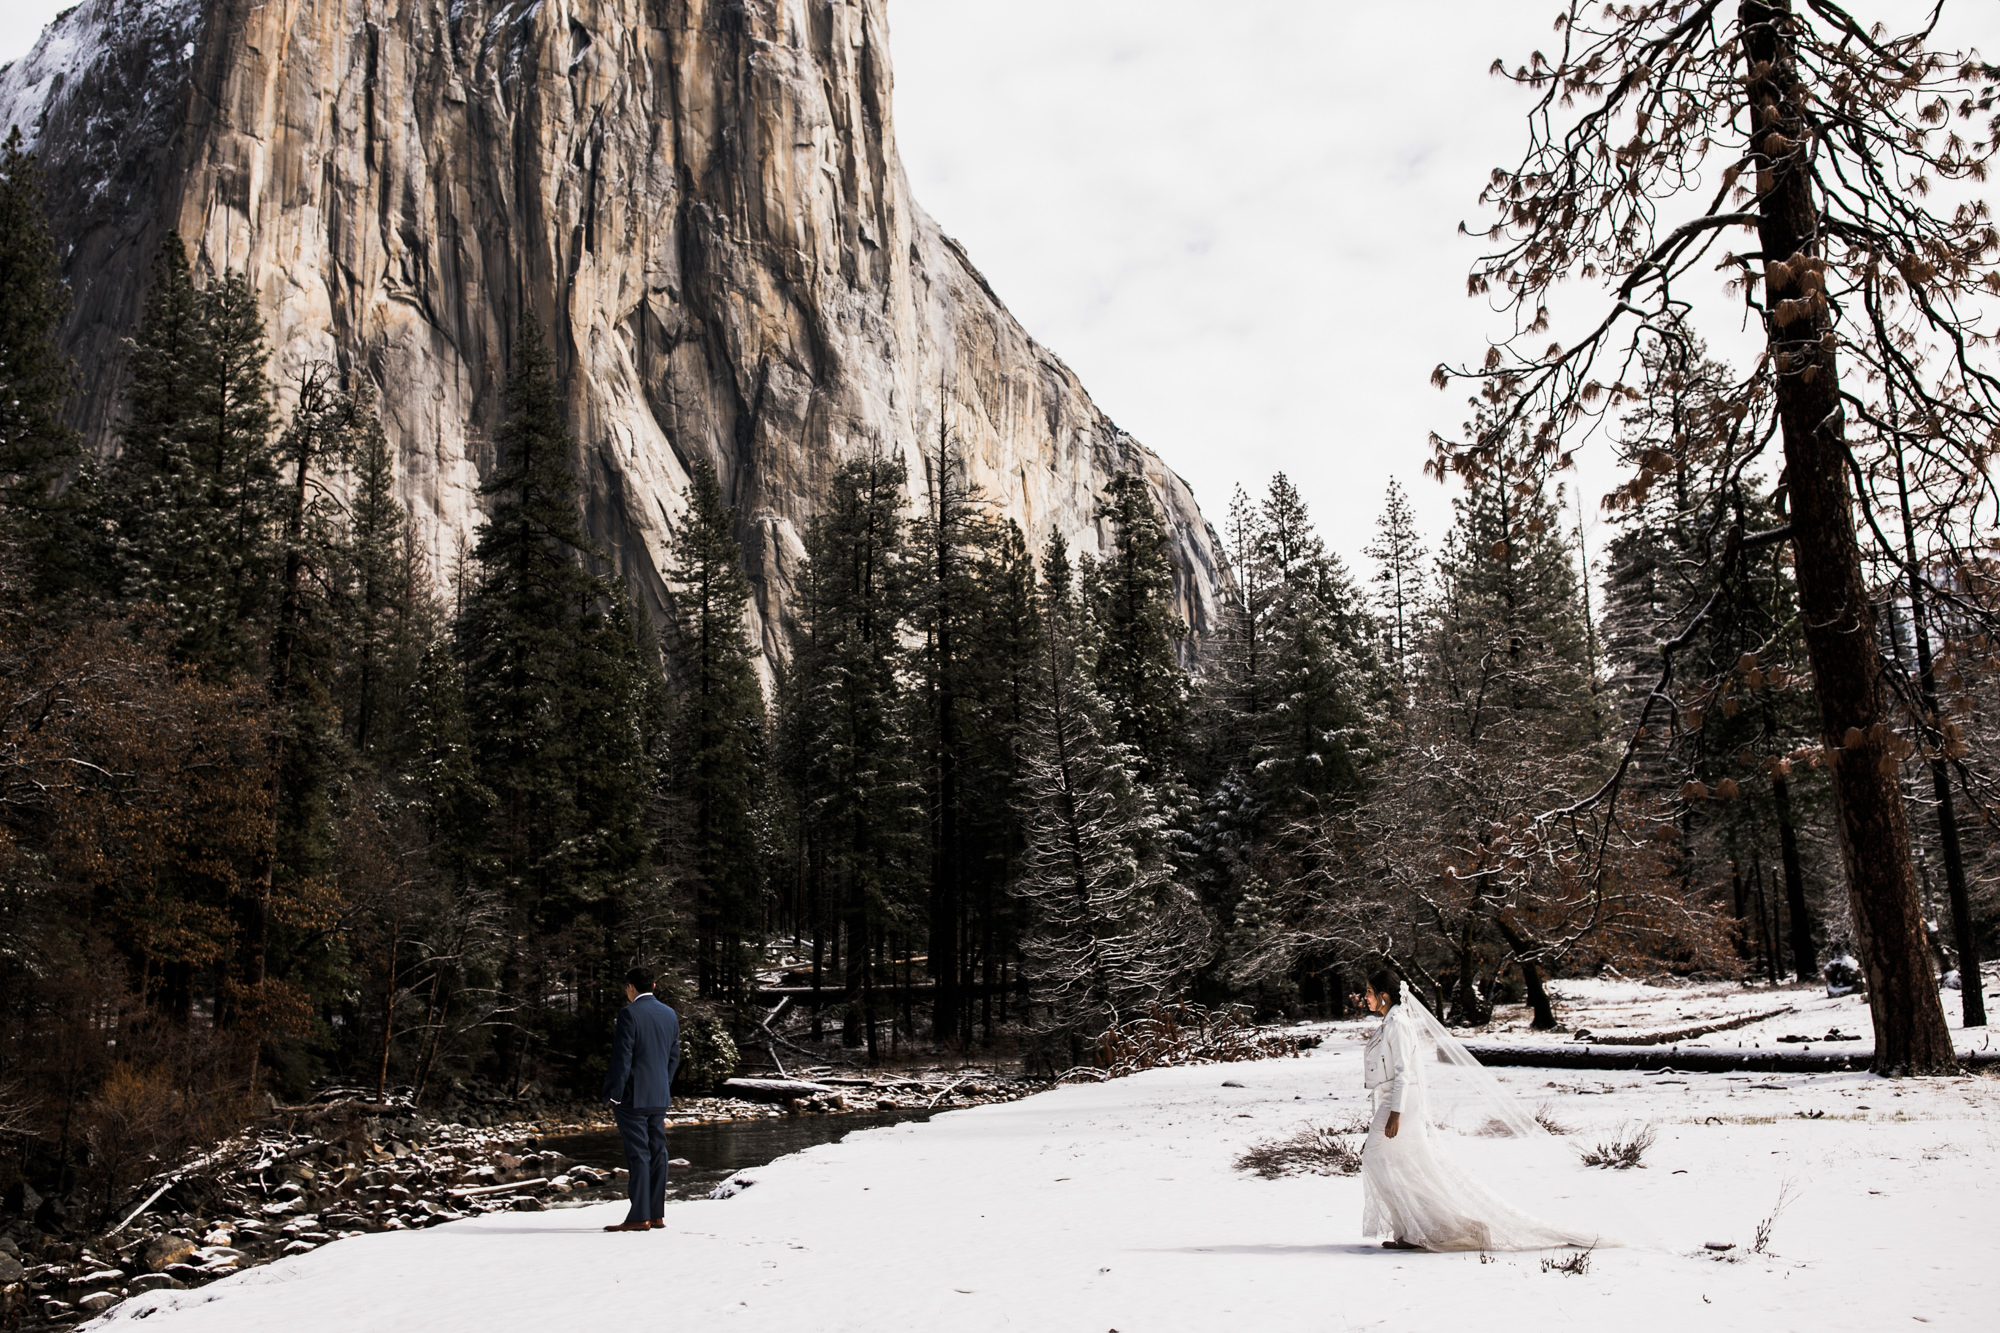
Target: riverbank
(306, 1177)
(1119, 1206)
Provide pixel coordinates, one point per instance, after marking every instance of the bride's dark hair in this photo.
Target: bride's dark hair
(1383, 982)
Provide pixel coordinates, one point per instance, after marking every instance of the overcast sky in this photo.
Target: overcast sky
(1237, 223)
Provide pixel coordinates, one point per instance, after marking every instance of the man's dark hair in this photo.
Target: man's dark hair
(1383, 982)
(640, 979)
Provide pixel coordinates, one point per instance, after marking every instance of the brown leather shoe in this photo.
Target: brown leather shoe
(657, 1223)
(630, 1226)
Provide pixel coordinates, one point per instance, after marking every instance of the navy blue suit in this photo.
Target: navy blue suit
(645, 1054)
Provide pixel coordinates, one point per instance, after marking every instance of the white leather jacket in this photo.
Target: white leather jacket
(1385, 1064)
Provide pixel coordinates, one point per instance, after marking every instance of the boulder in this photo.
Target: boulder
(98, 1302)
(97, 1277)
(146, 1282)
(10, 1269)
(165, 1251)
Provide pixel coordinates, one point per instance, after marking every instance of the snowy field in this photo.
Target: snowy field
(1116, 1207)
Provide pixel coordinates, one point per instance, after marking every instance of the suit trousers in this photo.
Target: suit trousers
(644, 1132)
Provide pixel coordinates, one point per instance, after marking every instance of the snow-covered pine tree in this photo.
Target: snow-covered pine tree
(1400, 577)
(1136, 653)
(194, 492)
(1502, 724)
(1282, 745)
(1325, 677)
(1109, 930)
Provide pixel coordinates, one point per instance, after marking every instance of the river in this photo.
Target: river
(718, 1149)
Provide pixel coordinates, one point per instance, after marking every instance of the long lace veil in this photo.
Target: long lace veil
(1532, 1168)
(1458, 1092)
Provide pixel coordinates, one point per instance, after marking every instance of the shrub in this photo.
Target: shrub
(1311, 1149)
(708, 1056)
(1622, 1151)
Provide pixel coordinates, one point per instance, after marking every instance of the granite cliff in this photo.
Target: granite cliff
(699, 199)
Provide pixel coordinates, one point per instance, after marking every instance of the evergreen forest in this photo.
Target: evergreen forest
(284, 809)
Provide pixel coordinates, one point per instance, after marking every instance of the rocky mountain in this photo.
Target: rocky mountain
(699, 199)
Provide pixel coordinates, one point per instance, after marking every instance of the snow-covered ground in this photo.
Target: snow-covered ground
(1116, 1206)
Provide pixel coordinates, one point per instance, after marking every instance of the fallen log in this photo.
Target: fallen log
(1674, 1036)
(772, 1089)
(464, 1193)
(829, 995)
(1692, 1060)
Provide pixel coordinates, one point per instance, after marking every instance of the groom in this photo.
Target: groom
(645, 1052)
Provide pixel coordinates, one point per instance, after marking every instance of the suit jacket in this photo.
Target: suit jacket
(645, 1054)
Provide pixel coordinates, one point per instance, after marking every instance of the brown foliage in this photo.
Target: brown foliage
(1184, 1034)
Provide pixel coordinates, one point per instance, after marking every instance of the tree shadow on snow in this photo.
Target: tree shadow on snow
(1357, 1247)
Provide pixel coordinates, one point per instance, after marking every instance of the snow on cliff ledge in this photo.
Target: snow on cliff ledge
(80, 39)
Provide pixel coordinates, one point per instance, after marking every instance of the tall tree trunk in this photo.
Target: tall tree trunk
(1467, 1008)
(1971, 989)
(1805, 954)
(389, 1010)
(1873, 827)
(857, 1025)
(815, 911)
(1544, 1019)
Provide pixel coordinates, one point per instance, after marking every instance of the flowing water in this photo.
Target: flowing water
(718, 1150)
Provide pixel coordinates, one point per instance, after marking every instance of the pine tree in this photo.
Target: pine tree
(390, 613)
(1325, 680)
(1137, 665)
(955, 562)
(1009, 638)
(1718, 745)
(1323, 672)
(308, 751)
(717, 744)
(195, 492)
(1235, 685)
(1289, 723)
(562, 709)
(1505, 721)
(38, 449)
(859, 792)
(1109, 930)
(1508, 643)
(1399, 554)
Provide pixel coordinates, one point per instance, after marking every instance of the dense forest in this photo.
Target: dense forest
(282, 811)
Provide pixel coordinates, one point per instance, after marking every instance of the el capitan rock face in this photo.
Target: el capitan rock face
(700, 200)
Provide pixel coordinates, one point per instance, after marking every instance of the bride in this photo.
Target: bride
(1411, 1192)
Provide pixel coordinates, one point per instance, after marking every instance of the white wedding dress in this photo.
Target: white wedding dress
(1411, 1190)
